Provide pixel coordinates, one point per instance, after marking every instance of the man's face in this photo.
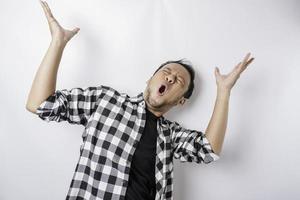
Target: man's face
(167, 86)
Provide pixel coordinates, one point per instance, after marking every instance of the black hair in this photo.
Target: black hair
(189, 68)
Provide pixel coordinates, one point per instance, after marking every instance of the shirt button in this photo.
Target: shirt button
(125, 183)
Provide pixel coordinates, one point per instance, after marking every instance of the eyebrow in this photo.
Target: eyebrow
(177, 75)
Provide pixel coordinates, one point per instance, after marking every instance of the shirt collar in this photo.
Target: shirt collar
(138, 98)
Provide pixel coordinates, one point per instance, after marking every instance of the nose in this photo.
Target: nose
(170, 78)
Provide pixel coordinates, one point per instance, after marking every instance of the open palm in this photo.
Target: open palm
(227, 81)
(58, 33)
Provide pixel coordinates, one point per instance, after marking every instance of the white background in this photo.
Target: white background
(120, 44)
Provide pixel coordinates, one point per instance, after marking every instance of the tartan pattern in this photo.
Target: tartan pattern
(114, 123)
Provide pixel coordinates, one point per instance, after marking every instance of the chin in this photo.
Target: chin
(156, 101)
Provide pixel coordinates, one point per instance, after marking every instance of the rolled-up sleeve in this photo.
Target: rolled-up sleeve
(191, 145)
(75, 105)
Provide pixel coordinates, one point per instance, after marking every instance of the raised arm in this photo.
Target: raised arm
(216, 128)
(44, 83)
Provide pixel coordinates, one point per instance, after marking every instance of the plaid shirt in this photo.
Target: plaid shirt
(114, 124)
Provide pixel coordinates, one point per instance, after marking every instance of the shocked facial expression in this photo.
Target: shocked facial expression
(167, 86)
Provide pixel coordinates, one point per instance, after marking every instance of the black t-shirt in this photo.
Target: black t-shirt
(141, 183)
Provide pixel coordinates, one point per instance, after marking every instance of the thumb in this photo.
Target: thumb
(75, 30)
(217, 71)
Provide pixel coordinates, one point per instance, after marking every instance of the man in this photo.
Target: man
(128, 146)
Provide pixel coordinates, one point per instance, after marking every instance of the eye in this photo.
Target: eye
(166, 71)
(179, 81)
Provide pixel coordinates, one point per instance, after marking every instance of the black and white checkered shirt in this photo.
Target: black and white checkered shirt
(114, 124)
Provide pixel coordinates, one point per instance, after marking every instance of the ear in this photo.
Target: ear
(148, 81)
(182, 101)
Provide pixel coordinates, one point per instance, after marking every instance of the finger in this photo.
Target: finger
(246, 58)
(246, 65)
(46, 5)
(48, 14)
(238, 65)
(239, 68)
(48, 9)
(236, 68)
(249, 61)
(245, 61)
(44, 8)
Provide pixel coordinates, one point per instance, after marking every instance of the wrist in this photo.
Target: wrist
(58, 43)
(223, 92)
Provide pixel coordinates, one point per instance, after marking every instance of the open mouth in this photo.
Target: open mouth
(162, 89)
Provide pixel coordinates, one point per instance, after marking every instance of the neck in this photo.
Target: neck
(155, 112)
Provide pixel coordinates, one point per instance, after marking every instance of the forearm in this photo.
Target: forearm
(215, 131)
(44, 83)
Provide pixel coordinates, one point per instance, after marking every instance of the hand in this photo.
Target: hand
(226, 82)
(58, 33)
